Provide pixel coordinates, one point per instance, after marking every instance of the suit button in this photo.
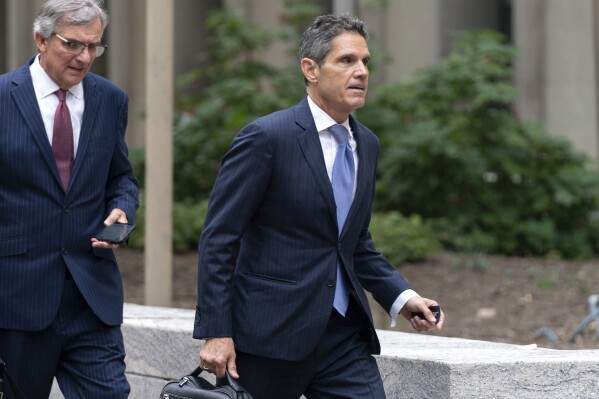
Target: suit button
(65, 252)
(66, 209)
(330, 283)
(339, 246)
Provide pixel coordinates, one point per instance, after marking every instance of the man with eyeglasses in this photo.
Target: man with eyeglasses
(64, 175)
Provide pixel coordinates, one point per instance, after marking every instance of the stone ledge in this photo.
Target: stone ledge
(159, 347)
(461, 368)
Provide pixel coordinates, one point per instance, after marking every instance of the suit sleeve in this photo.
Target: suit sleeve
(237, 194)
(373, 270)
(122, 187)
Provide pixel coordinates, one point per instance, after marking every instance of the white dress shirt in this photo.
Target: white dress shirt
(44, 88)
(329, 149)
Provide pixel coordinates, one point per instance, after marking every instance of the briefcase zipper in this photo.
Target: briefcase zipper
(173, 396)
(184, 381)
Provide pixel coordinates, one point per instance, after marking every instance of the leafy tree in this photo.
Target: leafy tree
(241, 87)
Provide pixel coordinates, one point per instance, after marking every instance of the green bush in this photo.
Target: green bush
(452, 149)
(454, 152)
(239, 88)
(402, 239)
(188, 221)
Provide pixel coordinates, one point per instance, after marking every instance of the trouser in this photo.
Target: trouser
(340, 366)
(85, 355)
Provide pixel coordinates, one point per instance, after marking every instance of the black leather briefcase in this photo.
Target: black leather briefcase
(192, 386)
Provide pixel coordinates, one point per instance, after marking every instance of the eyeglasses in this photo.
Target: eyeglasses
(74, 47)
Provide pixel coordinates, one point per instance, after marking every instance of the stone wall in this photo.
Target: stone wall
(159, 347)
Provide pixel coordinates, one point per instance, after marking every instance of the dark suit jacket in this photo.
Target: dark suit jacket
(269, 248)
(42, 228)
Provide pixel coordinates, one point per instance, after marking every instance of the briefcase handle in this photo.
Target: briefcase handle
(232, 382)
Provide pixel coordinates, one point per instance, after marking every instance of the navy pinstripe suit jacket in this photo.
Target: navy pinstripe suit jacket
(268, 251)
(42, 228)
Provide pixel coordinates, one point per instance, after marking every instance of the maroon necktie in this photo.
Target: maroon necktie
(62, 139)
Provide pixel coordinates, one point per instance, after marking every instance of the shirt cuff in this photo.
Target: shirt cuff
(399, 304)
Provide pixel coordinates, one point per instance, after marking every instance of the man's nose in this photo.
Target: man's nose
(362, 69)
(85, 55)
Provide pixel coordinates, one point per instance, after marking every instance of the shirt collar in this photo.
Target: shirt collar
(45, 86)
(323, 120)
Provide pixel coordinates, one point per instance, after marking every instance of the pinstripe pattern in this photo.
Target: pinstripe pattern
(38, 219)
(340, 367)
(271, 234)
(44, 229)
(86, 355)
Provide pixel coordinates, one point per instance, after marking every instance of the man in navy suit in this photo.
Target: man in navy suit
(61, 294)
(271, 245)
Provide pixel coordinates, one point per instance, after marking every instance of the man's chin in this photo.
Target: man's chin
(76, 76)
(357, 103)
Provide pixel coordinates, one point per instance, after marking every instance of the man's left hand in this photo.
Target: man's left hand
(419, 304)
(116, 216)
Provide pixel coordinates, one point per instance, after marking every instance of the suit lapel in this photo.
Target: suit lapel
(312, 149)
(362, 175)
(92, 100)
(23, 95)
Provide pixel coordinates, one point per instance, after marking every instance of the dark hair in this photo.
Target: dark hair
(68, 12)
(316, 40)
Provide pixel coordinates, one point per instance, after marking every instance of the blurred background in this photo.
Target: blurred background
(556, 71)
(487, 111)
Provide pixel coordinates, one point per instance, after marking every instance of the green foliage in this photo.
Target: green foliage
(137, 158)
(297, 17)
(402, 239)
(454, 153)
(136, 239)
(240, 87)
(188, 221)
(546, 284)
(452, 150)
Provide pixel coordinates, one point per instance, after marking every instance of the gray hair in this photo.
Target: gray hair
(316, 40)
(68, 12)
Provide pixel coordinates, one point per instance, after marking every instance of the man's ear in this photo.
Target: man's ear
(41, 42)
(310, 69)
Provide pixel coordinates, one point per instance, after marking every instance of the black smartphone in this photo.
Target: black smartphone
(116, 233)
(436, 311)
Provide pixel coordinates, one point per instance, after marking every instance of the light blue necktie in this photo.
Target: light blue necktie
(343, 190)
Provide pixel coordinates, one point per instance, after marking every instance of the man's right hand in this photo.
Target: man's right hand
(218, 355)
